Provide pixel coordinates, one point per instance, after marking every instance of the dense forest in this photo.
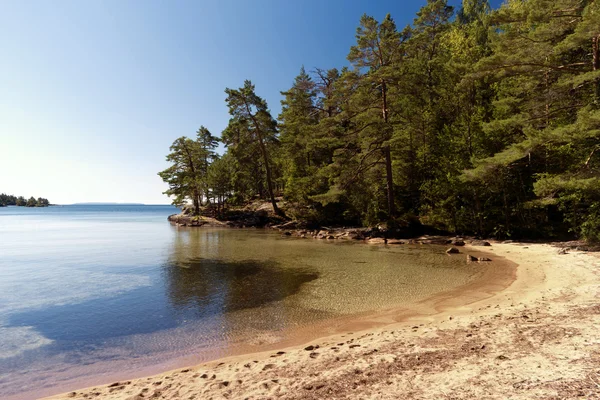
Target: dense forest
(10, 200)
(475, 121)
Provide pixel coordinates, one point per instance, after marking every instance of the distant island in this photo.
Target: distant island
(10, 200)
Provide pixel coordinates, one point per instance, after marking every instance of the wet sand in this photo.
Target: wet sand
(530, 333)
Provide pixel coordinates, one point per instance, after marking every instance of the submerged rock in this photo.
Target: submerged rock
(471, 258)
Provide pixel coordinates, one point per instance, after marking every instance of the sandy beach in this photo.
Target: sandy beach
(538, 338)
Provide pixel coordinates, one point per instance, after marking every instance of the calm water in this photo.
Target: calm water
(84, 288)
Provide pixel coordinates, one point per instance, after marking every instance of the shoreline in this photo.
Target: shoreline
(540, 285)
(495, 276)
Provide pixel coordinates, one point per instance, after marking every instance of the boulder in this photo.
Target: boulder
(377, 241)
(480, 243)
(458, 242)
(484, 259)
(452, 250)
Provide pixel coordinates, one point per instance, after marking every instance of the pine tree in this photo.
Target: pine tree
(219, 180)
(254, 120)
(207, 144)
(185, 176)
(377, 48)
(545, 122)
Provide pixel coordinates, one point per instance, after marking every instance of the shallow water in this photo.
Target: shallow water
(84, 288)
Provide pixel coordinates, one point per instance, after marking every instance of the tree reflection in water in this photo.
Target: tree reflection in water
(216, 272)
(209, 286)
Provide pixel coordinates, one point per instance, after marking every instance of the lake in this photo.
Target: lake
(88, 293)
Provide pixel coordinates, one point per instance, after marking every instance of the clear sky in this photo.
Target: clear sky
(92, 93)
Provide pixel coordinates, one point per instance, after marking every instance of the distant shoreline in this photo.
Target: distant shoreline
(114, 204)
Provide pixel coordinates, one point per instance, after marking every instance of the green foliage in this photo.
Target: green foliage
(187, 176)
(253, 127)
(482, 121)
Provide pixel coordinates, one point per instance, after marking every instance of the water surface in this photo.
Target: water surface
(86, 288)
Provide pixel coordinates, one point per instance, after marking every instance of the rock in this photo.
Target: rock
(471, 258)
(480, 243)
(433, 240)
(287, 233)
(377, 241)
(484, 259)
(563, 251)
(452, 250)
(395, 241)
(458, 242)
(322, 234)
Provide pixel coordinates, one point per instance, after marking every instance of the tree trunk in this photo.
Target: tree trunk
(596, 66)
(196, 202)
(390, 182)
(388, 156)
(547, 101)
(263, 150)
(195, 191)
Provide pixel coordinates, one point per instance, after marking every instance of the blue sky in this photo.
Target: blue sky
(94, 92)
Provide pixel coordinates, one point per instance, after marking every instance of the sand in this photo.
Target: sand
(539, 338)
